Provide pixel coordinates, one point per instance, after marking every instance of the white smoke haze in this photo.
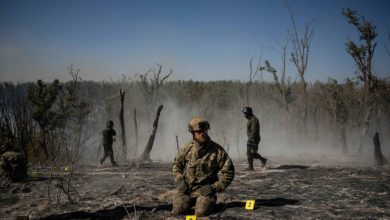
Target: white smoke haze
(228, 126)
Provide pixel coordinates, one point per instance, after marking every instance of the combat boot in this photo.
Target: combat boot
(249, 169)
(250, 165)
(263, 162)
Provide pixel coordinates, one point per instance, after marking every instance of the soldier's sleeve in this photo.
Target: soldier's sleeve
(257, 126)
(113, 132)
(227, 172)
(179, 164)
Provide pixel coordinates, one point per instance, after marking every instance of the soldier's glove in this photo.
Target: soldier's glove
(206, 190)
(182, 186)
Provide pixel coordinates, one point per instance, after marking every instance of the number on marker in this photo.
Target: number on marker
(250, 204)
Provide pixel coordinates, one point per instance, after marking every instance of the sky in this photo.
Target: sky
(201, 40)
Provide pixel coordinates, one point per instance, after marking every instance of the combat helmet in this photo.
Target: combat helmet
(247, 110)
(198, 124)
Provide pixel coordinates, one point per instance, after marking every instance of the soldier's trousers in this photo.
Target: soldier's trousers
(108, 152)
(252, 149)
(183, 203)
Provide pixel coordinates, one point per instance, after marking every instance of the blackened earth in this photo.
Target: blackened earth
(322, 187)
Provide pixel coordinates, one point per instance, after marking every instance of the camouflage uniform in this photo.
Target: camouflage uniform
(197, 166)
(108, 140)
(13, 165)
(253, 132)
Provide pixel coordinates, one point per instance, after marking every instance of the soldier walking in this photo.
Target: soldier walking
(108, 139)
(253, 132)
(195, 169)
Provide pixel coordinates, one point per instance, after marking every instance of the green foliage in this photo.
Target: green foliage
(61, 112)
(366, 29)
(362, 54)
(43, 97)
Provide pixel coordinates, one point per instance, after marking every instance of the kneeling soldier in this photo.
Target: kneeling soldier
(196, 169)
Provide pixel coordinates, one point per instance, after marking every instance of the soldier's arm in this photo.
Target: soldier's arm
(254, 127)
(179, 164)
(257, 126)
(113, 132)
(227, 173)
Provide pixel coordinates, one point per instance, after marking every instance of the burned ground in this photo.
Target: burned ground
(287, 188)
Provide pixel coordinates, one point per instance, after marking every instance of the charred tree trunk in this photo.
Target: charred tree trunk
(136, 132)
(177, 143)
(343, 137)
(43, 141)
(44, 147)
(366, 126)
(149, 145)
(122, 121)
(304, 106)
(380, 160)
(315, 118)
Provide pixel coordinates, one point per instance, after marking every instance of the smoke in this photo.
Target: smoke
(228, 128)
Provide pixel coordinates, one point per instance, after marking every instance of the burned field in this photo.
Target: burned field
(284, 189)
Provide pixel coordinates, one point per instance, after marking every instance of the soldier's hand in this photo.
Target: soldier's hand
(182, 186)
(207, 190)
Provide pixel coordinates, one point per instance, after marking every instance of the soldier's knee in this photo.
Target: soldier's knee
(182, 203)
(181, 208)
(204, 205)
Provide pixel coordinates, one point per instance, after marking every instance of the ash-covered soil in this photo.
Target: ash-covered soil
(295, 188)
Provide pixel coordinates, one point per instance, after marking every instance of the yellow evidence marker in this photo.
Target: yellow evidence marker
(250, 204)
(191, 217)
